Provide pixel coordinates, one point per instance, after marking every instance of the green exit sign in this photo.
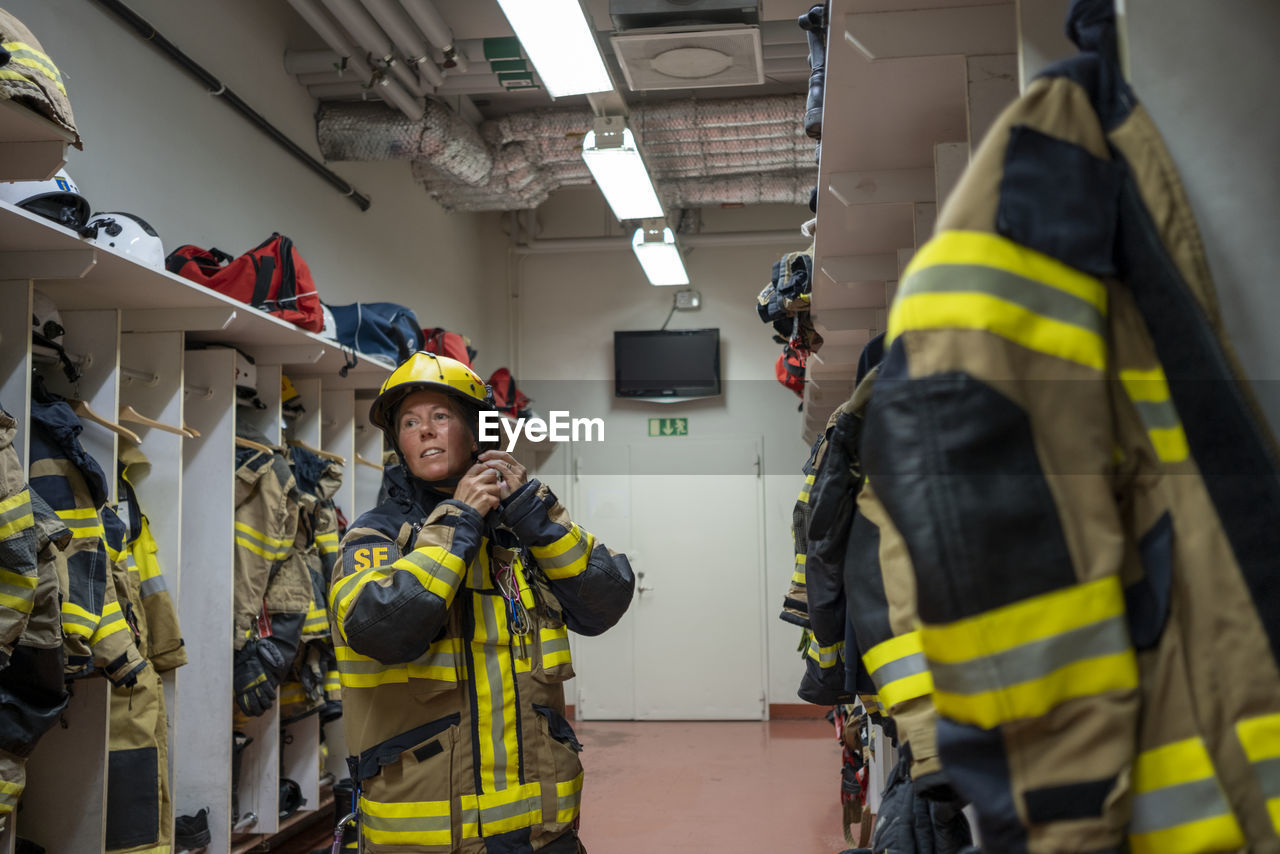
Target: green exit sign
(668, 426)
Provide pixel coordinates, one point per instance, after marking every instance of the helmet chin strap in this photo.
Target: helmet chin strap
(444, 483)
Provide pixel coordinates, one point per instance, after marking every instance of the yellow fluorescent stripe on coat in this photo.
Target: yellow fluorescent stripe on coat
(17, 579)
(18, 603)
(990, 314)
(261, 537)
(1118, 672)
(983, 249)
(406, 823)
(892, 650)
(1022, 622)
(1260, 737)
(19, 506)
(1170, 444)
(568, 799)
(1178, 805)
(260, 551)
(897, 666)
(567, 556)
(348, 587)
(1145, 386)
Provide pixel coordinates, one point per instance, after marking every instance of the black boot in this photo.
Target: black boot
(814, 22)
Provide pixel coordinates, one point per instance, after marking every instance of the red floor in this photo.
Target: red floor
(711, 787)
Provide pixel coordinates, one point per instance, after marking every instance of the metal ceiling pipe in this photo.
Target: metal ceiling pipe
(391, 17)
(333, 37)
(437, 31)
(362, 27)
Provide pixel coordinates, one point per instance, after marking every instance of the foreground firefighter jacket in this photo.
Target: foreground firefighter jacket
(456, 718)
(32, 691)
(1087, 494)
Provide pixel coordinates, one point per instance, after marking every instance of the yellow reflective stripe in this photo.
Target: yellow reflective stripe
(332, 681)
(290, 692)
(410, 823)
(436, 569)
(1178, 804)
(82, 522)
(261, 537)
(567, 556)
(979, 281)
(77, 514)
(826, 656)
(78, 621)
(17, 579)
(112, 622)
(272, 548)
(1260, 738)
(803, 497)
(555, 646)
(568, 799)
(494, 680)
(898, 668)
(983, 249)
(470, 807)
(510, 809)
(15, 514)
(10, 788)
(439, 662)
(1022, 622)
(329, 537)
(1022, 660)
(39, 59)
(1149, 391)
(798, 578)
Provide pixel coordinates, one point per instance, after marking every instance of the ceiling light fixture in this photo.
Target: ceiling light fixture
(558, 37)
(656, 250)
(613, 156)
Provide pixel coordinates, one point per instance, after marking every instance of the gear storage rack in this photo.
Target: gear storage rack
(128, 327)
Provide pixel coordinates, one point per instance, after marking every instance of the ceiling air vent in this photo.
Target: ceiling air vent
(645, 14)
(690, 59)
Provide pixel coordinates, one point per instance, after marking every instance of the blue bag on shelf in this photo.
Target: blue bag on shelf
(384, 330)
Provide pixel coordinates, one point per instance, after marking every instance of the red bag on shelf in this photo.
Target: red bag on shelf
(509, 399)
(451, 344)
(272, 277)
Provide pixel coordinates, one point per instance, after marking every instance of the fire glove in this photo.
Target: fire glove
(254, 677)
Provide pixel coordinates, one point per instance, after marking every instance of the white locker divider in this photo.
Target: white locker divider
(306, 427)
(15, 361)
(94, 341)
(151, 383)
(300, 759)
(65, 805)
(259, 788)
(265, 420)
(338, 436)
(202, 773)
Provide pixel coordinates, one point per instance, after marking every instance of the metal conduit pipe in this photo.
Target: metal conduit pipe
(391, 17)
(362, 27)
(336, 39)
(427, 17)
(219, 89)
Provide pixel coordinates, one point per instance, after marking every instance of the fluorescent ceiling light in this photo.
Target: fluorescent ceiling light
(561, 45)
(659, 256)
(616, 164)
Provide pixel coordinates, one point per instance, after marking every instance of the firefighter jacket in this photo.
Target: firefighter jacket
(1087, 495)
(318, 480)
(71, 481)
(795, 605)
(452, 641)
(139, 807)
(32, 690)
(269, 574)
(908, 823)
(161, 638)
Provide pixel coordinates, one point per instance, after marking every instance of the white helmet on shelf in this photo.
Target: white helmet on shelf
(129, 235)
(57, 199)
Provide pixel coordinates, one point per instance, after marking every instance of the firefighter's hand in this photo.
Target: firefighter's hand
(253, 677)
(480, 487)
(513, 474)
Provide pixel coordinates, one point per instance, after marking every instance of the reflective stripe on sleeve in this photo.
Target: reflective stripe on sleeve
(1260, 738)
(1024, 659)
(898, 668)
(271, 548)
(567, 556)
(17, 591)
(975, 280)
(825, 656)
(16, 515)
(555, 646)
(1178, 805)
(1149, 391)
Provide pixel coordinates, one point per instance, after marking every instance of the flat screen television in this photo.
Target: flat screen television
(666, 363)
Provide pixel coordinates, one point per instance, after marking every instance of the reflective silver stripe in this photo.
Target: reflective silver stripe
(152, 586)
(892, 671)
(470, 821)
(1268, 771)
(1031, 660)
(433, 566)
(570, 801)
(22, 508)
(493, 670)
(495, 814)
(25, 593)
(406, 824)
(574, 553)
(825, 656)
(555, 645)
(1041, 299)
(1158, 415)
(68, 617)
(1170, 806)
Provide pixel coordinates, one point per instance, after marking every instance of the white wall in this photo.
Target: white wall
(1221, 126)
(570, 304)
(158, 145)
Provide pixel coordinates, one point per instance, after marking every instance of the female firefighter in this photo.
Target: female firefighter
(451, 606)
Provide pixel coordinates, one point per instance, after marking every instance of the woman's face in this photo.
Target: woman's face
(434, 439)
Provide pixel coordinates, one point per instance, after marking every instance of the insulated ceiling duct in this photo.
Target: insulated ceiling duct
(728, 151)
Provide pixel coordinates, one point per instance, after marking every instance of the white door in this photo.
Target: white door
(692, 645)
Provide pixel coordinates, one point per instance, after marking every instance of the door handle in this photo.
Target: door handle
(641, 588)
